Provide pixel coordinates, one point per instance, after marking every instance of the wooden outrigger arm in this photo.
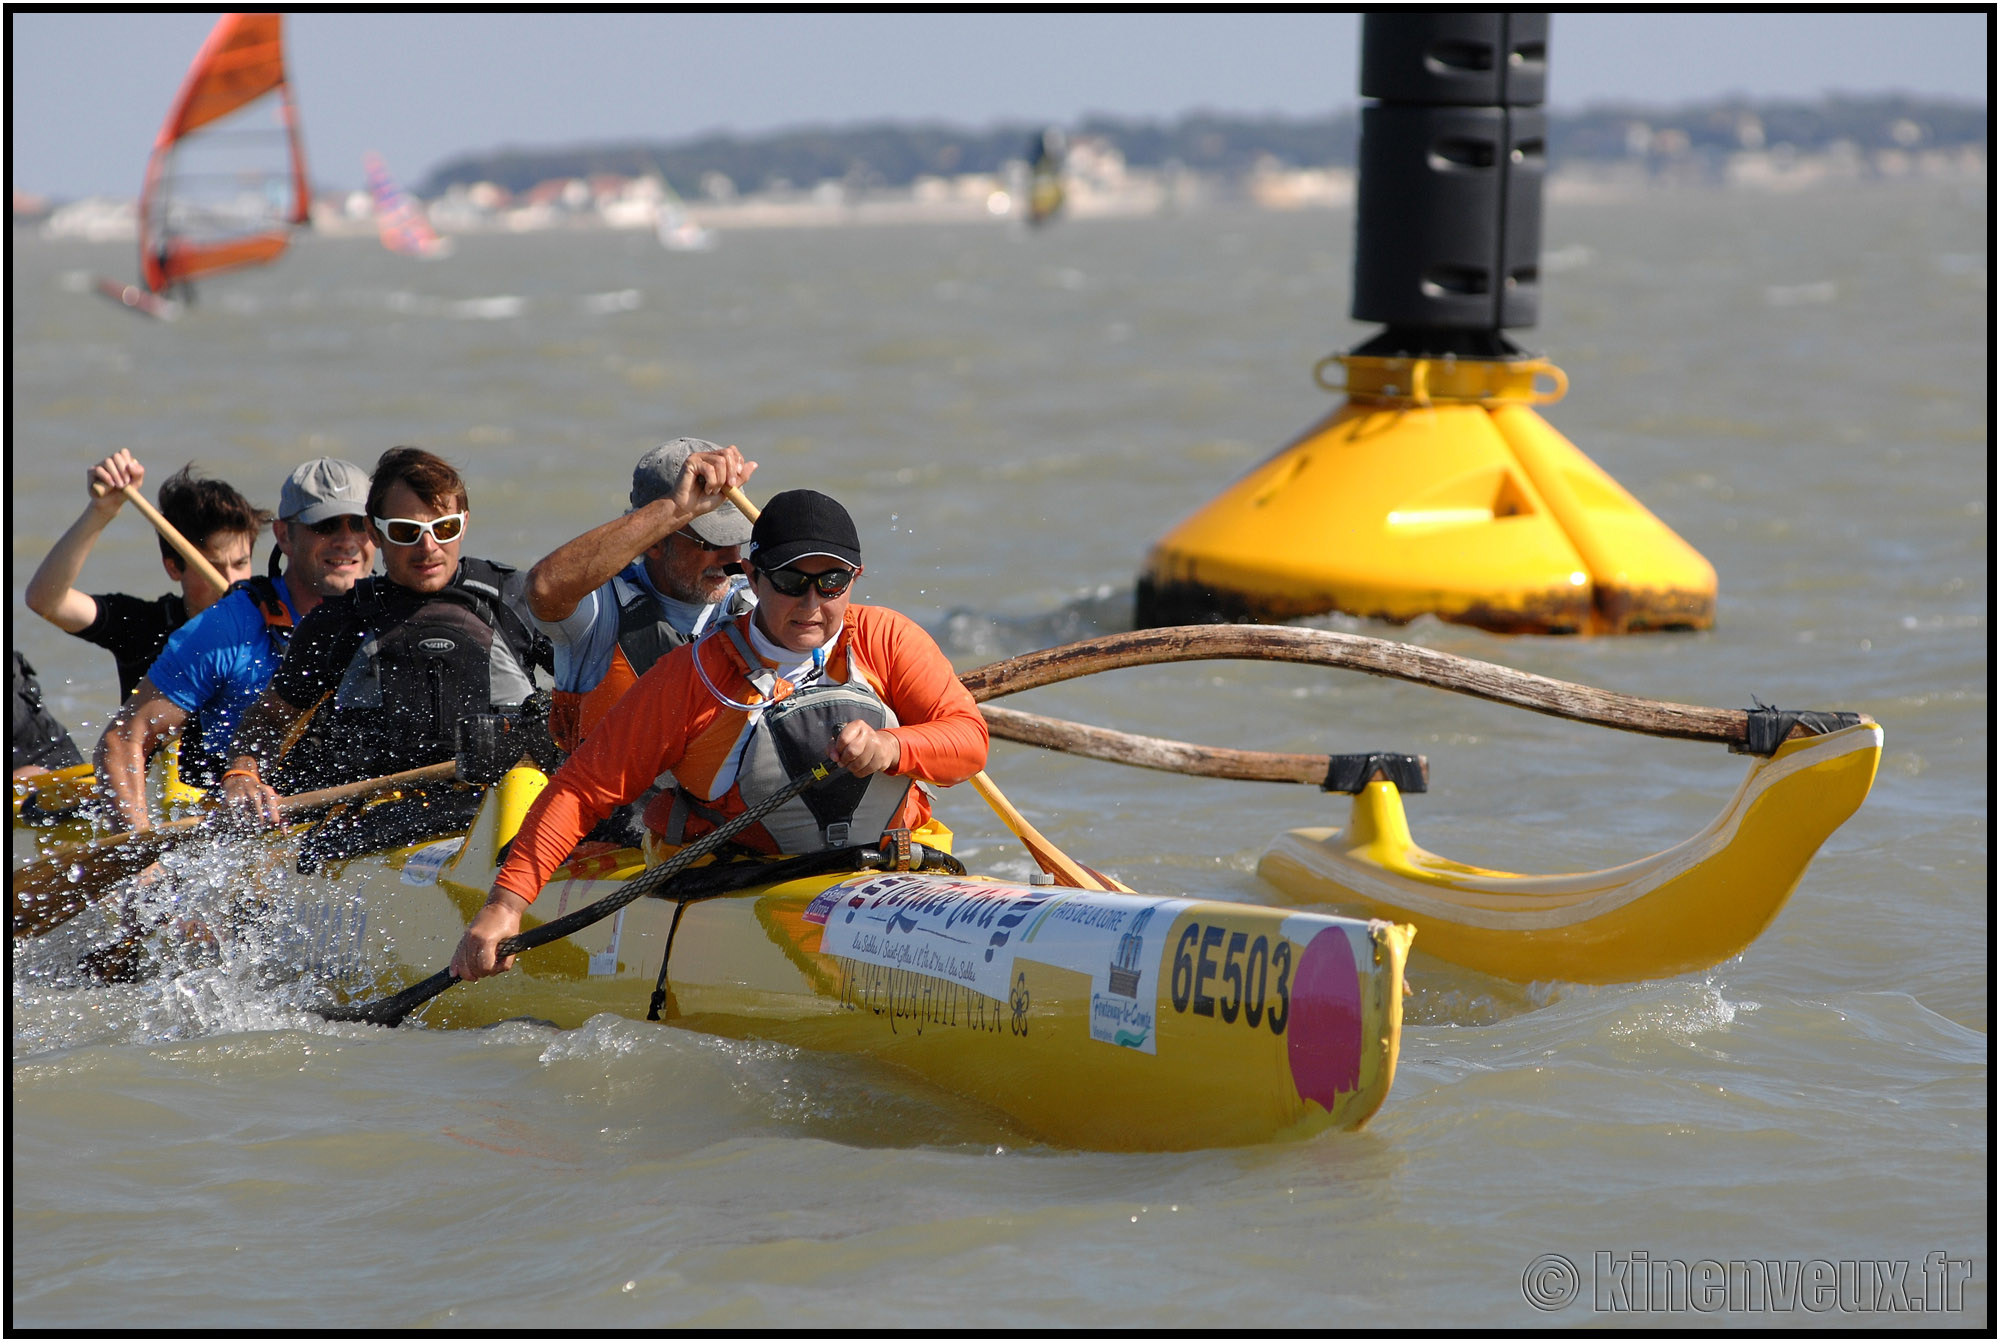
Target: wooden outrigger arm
(1678, 911)
(1380, 657)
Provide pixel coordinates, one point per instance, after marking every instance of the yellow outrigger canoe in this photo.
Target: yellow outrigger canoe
(1090, 1019)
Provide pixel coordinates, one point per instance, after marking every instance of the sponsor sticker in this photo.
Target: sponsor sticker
(606, 961)
(970, 934)
(1119, 940)
(422, 867)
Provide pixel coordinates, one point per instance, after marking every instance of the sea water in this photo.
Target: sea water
(1796, 383)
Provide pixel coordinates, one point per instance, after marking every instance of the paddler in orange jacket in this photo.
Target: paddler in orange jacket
(734, 714)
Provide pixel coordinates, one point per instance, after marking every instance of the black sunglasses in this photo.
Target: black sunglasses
(333, 526)
(699, 543)
(793, 582)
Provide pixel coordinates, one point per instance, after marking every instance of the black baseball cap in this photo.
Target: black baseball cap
(800, 523)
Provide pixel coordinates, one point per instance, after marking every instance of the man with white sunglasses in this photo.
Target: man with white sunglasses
(388, 669)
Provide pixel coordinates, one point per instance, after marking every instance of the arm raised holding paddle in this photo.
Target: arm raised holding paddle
(616, 599)
(207, 530)
(805, 676)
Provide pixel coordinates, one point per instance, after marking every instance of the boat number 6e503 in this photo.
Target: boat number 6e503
(1248, 978)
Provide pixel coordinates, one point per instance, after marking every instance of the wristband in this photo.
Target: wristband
(250, 774)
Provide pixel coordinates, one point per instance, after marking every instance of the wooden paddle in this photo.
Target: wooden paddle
(1376, 656)
(391, 1010)
(55, 888)
(1048, 857)
(195, 558)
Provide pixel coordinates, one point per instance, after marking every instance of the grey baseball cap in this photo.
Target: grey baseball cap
(659, 471)
(322, 488)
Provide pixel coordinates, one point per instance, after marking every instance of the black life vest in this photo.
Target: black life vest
(37, 738)
(456, 652)
(202, 766)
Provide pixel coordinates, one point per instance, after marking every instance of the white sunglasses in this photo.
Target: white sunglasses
(408, 530)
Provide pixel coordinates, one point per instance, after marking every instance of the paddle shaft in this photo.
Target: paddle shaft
(1355, 652)
(195, 558)
(49, 891)
(391, 1011)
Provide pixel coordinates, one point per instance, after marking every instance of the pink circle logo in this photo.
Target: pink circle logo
(1323, 1037)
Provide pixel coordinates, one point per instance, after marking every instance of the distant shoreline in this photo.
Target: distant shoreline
(988, 200)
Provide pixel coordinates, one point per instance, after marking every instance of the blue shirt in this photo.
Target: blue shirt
(214, 667)
(586, 638)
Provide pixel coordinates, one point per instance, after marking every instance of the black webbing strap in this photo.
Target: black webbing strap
(1769, 728)
(725, 878)
(1351, 773)
(659, 998)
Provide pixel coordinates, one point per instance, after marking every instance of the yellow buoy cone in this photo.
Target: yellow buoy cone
(1436, 489)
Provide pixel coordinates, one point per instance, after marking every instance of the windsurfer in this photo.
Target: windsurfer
(803, 676)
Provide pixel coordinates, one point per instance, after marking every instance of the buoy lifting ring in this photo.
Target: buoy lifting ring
(1446, 380)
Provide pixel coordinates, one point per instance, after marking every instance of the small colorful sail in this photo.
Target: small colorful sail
(226, 183)
(404, 226)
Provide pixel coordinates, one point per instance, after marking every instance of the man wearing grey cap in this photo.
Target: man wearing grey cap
(621, 596)
(218, 663)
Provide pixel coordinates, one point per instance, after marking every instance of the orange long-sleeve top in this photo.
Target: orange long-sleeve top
(940, 731)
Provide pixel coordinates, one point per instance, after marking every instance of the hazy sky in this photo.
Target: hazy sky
(90, 89)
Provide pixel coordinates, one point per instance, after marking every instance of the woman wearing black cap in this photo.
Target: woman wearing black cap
(806, 675)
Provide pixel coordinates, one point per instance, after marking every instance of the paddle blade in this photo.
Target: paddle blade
(391, 1011)
(50, 891)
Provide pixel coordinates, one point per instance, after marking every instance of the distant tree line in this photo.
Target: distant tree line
(888, 154)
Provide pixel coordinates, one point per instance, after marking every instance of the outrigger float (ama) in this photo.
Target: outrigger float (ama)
(1682, 910)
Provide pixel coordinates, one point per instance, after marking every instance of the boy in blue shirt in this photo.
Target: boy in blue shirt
(218, 663)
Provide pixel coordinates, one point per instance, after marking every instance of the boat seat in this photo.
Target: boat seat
(1352, 773)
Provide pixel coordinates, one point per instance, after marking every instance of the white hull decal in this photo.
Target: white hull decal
(422, 867)
(970, 934)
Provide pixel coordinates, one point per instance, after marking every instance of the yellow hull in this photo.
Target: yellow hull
(1676, 912)
(1104, 1021)
(45, 805)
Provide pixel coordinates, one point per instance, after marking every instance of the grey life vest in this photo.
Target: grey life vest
(644, 637)
(793, 734)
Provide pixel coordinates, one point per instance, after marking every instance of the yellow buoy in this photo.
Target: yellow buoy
(1436, 489)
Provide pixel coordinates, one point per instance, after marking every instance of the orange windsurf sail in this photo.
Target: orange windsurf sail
(226, 184)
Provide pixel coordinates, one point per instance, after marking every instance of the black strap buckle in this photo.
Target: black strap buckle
(1352, 773)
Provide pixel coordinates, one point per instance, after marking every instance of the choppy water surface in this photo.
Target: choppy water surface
(1797, 385)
